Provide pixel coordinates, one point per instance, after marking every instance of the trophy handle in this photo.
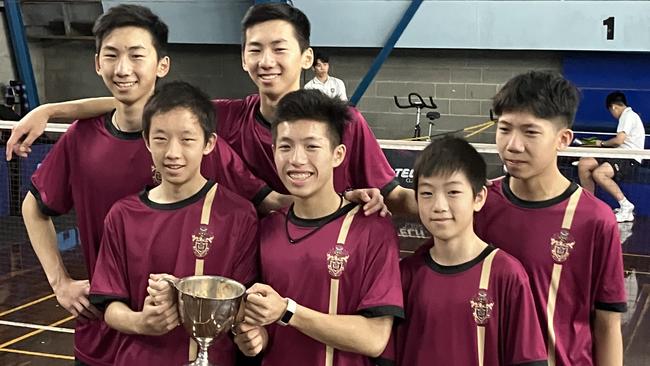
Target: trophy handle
(239, 317)
(171, 282)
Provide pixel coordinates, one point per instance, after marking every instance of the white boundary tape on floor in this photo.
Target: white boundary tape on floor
(36, 326)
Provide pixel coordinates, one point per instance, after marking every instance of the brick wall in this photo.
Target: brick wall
(461, 82)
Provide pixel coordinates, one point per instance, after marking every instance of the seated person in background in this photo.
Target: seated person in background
(466, 302)
(630, 134)
(331, 86)
(181, 227)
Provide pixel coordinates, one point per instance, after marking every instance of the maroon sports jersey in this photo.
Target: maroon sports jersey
(369, 284)
(592, 263)
(443, 307)
(240, 122)
(143, 237)
(91, 167)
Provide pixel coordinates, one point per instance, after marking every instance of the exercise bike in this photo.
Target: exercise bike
(416, 101)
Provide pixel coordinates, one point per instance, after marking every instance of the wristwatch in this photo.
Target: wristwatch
(291, 309)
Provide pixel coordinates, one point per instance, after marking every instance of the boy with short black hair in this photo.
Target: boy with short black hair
(92, 165)
(466, 302)
(331, 86)
(330, 273)
(566, 239)
(104, 158)
(187, 225)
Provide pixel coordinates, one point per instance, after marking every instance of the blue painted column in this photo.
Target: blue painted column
(388, 48)
(21, 51)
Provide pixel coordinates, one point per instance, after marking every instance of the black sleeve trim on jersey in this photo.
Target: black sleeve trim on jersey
(617, 307)
(261, 195)
(386, 189)
(383, 362)
(532, 363)
(102, 301)
(41, 205)
(243, 360)
(78, 362)
(387, 310)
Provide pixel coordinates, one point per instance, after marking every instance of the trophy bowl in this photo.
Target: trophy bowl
(208, 308)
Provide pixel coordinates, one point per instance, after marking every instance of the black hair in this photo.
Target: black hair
(448, 155)
(179, 94)
(616, 97)
(127, 15)
(322, 56)
(546, 95)
(313, 105)
(261, 13)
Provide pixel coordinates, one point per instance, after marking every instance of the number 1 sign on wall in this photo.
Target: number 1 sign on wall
(609, 23)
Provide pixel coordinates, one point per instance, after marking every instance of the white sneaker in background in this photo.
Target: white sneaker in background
(625, 214)
(625, 229)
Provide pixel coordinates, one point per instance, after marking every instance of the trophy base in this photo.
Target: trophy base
(200, 363)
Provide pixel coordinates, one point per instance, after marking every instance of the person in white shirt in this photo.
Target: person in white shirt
(630, 134)
(331, 86)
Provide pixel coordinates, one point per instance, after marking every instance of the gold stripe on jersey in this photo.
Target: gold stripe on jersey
(334, 282)
(554, 285)
(198, 265)
(484, 283)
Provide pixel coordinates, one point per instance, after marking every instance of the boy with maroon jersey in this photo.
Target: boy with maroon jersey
(104, 158)
(566, 239)
(185, 226)
(466, 302)
(331, 278)
(93, 165)
(275, 50)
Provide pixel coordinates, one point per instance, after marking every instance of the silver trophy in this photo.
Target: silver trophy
(208, 307)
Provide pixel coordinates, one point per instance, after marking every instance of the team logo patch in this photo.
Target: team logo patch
(202, 241)
(337, 258)
(155, 175)
(481, 307)
(561, 246)
(332, 90)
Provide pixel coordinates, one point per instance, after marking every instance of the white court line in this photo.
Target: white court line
(36, 326)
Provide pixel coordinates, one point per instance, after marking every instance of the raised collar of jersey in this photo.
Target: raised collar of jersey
(117, 133)
(458, 268)
(260, 118)
(318, 222)
(144, 197)
(535, 204)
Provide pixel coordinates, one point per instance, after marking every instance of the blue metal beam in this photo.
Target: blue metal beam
(383, 55)
(21, 51)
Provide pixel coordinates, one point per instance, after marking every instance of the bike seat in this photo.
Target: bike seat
(433, 115)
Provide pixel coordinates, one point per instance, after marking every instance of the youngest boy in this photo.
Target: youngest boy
(466, 303)
(180, 227)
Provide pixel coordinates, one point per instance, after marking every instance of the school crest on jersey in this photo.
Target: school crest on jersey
(155, 175)
(481, 307)
(337, 259)
(202, 241)
(561, 246)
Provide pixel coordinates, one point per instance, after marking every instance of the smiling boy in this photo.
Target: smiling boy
(330, 274)
(187, 225)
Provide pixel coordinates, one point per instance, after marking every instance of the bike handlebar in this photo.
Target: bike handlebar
(418, 103)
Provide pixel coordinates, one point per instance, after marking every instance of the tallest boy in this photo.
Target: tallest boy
(275, 50)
